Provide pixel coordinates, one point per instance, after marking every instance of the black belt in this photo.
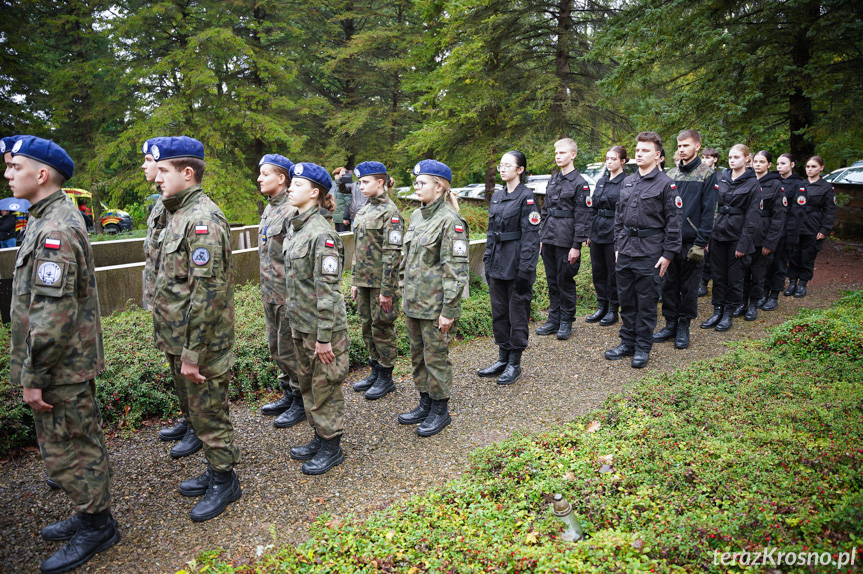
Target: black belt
(605, 212)
(731, 210)
(561, 213)
(499, 237)
(636, 232)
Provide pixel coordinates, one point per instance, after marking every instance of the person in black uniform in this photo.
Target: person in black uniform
(772, 207)
(511, 253)
(816, 221)
(646, 238)
(601, 242)
(567, 218)
(733, 239)
(696, 188)
(778, 269)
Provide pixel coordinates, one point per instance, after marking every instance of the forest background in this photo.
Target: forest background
(338, 82)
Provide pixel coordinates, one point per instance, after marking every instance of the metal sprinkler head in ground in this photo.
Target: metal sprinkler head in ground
(563, 510)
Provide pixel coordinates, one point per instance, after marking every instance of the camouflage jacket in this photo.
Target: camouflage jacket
(435, 266)
(378, 232)
(56, 330)
(152, 243)
(193, 304)
(271, 237)
(314, 259)
(696, 188)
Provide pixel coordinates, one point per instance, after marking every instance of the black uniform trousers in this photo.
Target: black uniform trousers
(727, 273)
(777, 270)
(680, 287)
(754, 276)
(602, 267)
(705, 269)
(560, 276)
(638, 285)
(801, 265)
(510, 314)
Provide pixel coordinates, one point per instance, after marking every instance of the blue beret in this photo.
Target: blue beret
(145, 149)
(7, 143)
(45, 151)
(314, 173)
(370, 168)
(433, 167)
(277, 160)
(174, 147)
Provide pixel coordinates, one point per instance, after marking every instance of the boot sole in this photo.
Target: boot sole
(507, 383)
(218, 511)
(718, 330)
(187, 453)
(101, 548)
(375, 397)
(490, 374)
(295, 457)
(171, 439)
(436, 430)
(327, 468)
(607, 323)
(289, 425)
(559, 338)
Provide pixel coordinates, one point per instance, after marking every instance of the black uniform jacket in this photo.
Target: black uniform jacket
(793, 187)
(819, 208)
(647, 219)
(773, 207)
(512, 241)
(566, 217)
(604, 201)
(737, 213)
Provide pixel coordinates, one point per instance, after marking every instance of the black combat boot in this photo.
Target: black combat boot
(551, 326)
(437, 420)
(189, 445)
(639, 359)
(307, 451)
(751, 312)
(279, 406)
(702, 290)
(175, 432)
(620, 351)
(800, 292)
(681, 338)
(329, 455)
(666, 333)
(772, 301)
(224, 489)
(419, 413)
(196, 486)
(611, 317)
(498, 366)
(97, 532)
(601, 310)
(761, 302)
(383, 385)
(52, 484)
(565, 330)
(366, 384)
(294, 415)
(726, 321)
(63, 530)
(513, 369)
(714, 319)
(740, 310)
(792, 287)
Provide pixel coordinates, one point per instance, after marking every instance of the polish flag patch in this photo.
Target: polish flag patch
(330, 243)
(586, 188)
(394, 219)
(202, 230)
(52, 243)
(459, 229)
(716, 185)
(673, 186)
(530, 202)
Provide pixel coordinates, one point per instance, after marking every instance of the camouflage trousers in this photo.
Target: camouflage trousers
(73, 446)
(430, 364)
(321, 384)
(281, 344)
(208, 410)
(379, 332)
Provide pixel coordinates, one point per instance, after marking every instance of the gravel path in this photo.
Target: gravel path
(385, 461)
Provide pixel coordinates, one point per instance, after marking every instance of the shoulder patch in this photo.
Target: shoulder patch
(459, 248)
(395, 237)
(716, 185)
(761, 205)
(394, 219)
(834, 200)
(202, 230)
(329, 243)
(588, 201)
(529, 202)
(533, 218)
(678, 201)
(52, 243)
(459, 228)
(201, 256)
(586, 188)
(673, 186)
(801, 200)
(49, 273)
(784, 201)
(330, 265)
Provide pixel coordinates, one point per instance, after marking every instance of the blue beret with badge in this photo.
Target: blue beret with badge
(7, 143)
(176, 147)
(370, 168)
(278, 161)
(314, 173)
(433, 167)
(145, 149)
(45, 151)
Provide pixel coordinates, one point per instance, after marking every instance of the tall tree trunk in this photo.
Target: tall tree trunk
(561, 66)
(800, 114)
(490, 178)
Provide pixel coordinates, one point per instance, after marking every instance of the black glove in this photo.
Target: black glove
(522, 285)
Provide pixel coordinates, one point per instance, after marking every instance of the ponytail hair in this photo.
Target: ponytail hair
(450, 197)
(326, 200)
(621, 153)
(767, 155)
(391, 183)
(817, 159)
(744, 149)
(520, 161)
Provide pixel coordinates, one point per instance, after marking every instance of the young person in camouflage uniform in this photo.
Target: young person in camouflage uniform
(193, 316)
(57, 349)
(314, 260)
(378, 231)
(433, 274)
(274, 178)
